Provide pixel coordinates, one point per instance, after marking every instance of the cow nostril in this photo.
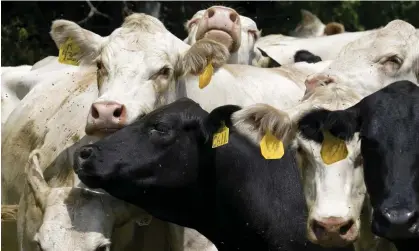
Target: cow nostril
(211, 13)
(233, 17)
(95, 112)
(345, 228)
(118, 112)
(317, 228)
(85, 153)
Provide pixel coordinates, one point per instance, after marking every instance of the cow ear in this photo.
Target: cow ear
(199, 55)
(342, 124)
(308, 17)
(89, 43)
(256, 120)
(218, 116)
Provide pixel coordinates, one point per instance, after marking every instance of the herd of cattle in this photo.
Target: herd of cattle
(227, 140)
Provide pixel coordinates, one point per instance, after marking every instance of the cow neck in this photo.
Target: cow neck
(257, 204)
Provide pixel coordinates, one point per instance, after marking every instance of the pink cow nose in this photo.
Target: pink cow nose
(317, 80)
(217, 12)
(105, 117)
(334, 230)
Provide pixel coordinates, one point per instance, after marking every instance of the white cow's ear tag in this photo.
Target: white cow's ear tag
(220, 138)
(205, 77)
(68, 52)
(144, 221)
(333, 149)
(271, 147)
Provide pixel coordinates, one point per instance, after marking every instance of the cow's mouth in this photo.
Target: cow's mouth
(228, 39)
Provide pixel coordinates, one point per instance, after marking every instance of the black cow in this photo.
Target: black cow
(388, 126)
(306, 56)
(165, 164)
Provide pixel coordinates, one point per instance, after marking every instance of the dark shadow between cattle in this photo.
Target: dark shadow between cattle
(165, 163)
(388, 125)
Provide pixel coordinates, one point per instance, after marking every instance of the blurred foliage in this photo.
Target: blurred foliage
(25, 26)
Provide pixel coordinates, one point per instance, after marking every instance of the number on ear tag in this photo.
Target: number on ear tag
(333, 149)
(271, 147)
(205, 77)
(68, 51)
(220, 138)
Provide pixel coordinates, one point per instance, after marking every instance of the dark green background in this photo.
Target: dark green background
(25, 26)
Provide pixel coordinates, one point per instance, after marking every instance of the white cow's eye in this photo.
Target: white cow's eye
(392, 63)
(99, 65)
(163, 72)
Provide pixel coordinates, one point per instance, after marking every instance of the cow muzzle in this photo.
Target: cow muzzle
(105, 118)
(396, 224)
(221, 24)
(332, 231)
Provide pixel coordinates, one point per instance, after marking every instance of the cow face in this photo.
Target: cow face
(387, 123)
(76, 218)
(373, 61)
(224, 25)
(155, 160)
(137, 67)
(334, 192)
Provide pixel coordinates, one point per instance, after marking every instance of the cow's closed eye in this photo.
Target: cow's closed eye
(164, 72)
(392, 63)
(160, 128)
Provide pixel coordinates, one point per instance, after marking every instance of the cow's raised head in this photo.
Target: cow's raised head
(333, 184)
(76, 218)
(387, 122)
(373, 61)
(225, 25)
(137, 67)
(159, 160)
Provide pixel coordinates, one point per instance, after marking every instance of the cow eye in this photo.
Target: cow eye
(392, 63)
(160, 127)
(163, 72)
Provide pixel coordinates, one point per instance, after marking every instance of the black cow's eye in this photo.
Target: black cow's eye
(160, 127)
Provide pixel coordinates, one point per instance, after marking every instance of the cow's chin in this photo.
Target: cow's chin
(223, 38)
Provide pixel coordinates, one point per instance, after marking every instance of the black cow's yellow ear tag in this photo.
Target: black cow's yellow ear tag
(68, 51)
(220, 138)
(333, 149)
(205, 77)
(271, 147)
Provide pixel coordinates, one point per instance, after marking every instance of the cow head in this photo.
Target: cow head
(156, 160)
(224, 25)
(76, 218)
(335, 191)
(373, 61)
(137, 67)
(387, 122)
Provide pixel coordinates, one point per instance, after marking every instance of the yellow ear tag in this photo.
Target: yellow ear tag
(67, 52)
(333, 149)
(220, 138)
(271, 147)
(205, 77)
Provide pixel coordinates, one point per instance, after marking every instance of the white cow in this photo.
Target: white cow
(375, 60)
(225, 25)
(335, 192)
